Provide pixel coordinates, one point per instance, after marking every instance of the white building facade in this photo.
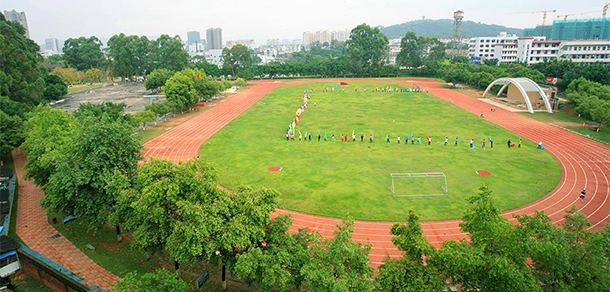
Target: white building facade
(325, 36)
(536, 49)
(484, 47)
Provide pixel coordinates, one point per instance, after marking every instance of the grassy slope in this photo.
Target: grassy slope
(335, 179)
(82, 88)
(562, 116)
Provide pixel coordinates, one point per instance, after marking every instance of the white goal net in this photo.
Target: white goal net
(426, 184)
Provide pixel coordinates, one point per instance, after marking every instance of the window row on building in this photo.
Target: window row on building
(535, 49)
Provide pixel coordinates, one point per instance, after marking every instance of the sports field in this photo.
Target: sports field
(336, 179)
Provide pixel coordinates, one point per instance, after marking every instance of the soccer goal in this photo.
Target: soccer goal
(427, 184)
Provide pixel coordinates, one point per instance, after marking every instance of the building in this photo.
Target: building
(483, 47)
(214, 38)
(193, 38)
(573, 29)
(214, 57)
(274, 42)
(325, 36)
(54, 45)
(18, 17)
(523, 91)
(532, 50)
(248, 43)
(394, 45)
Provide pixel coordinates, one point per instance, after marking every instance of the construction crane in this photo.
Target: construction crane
(565, 16)
(544, 12)
(605, 10)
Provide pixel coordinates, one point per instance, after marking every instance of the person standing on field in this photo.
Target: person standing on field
(456, 140)
(446, 140)
(398, 139)
(508, 143)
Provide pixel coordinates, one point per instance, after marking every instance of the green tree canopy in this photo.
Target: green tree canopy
(157, 78)
(48, 133)
(159, 280)
(55, 87)
(367, 47)
(21, 78)
(236, 58)
(410, 273)
(417, 51)
(11, 133)
(83, 181)
(84, 53)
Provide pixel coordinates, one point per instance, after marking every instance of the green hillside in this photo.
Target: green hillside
(443, 28)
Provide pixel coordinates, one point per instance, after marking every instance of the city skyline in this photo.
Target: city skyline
(155, 18)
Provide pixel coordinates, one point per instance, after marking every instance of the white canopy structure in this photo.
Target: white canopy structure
(524, 85)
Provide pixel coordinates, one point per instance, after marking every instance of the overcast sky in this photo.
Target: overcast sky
(261, 20)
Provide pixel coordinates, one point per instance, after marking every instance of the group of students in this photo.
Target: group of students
(489, 142)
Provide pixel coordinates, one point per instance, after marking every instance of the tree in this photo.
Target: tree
(240, 82)
(199, 62)
(55, 87)
(14, 108)
(144, 117)
(418, 51)
(131, 55)
(590, 98)
(102, 148)
(11, 133)
(94, 75)
(494, 259)
(159, 280)
(220, 225)
(157, 78)
(84, 53)
(339, 264)
(236, 58)
(154, 202)
(367, 47)
(409, 273)
(21, 78)
(569, 256)
(275, 263)
(181, 89)
(69, 75)
(48, 132)
(169, 53)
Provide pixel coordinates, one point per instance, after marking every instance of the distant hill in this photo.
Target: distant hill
(443, 28)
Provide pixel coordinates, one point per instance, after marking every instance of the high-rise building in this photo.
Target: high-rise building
(52, 44)
(573, 29)
(19, 17)
(214, 37)
(248, 43)
(325, 36)
(193, 37)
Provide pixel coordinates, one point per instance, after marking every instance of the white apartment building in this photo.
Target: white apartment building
(325, 36)
(484, 47)
(248, 43)
(394, 45)
(532, 50)
(585, 51)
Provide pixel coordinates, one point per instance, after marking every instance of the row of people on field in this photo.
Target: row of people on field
(371, 138)
(377, 89)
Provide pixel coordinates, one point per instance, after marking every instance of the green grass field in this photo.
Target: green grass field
(563, 117)
(82, 88)
(337, 179)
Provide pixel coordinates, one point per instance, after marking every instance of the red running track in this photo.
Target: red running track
(584, 163)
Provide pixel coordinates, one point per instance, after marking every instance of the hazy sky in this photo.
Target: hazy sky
(261, 20)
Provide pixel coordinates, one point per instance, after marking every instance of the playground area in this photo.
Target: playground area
(132, 94)
(331, 167)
